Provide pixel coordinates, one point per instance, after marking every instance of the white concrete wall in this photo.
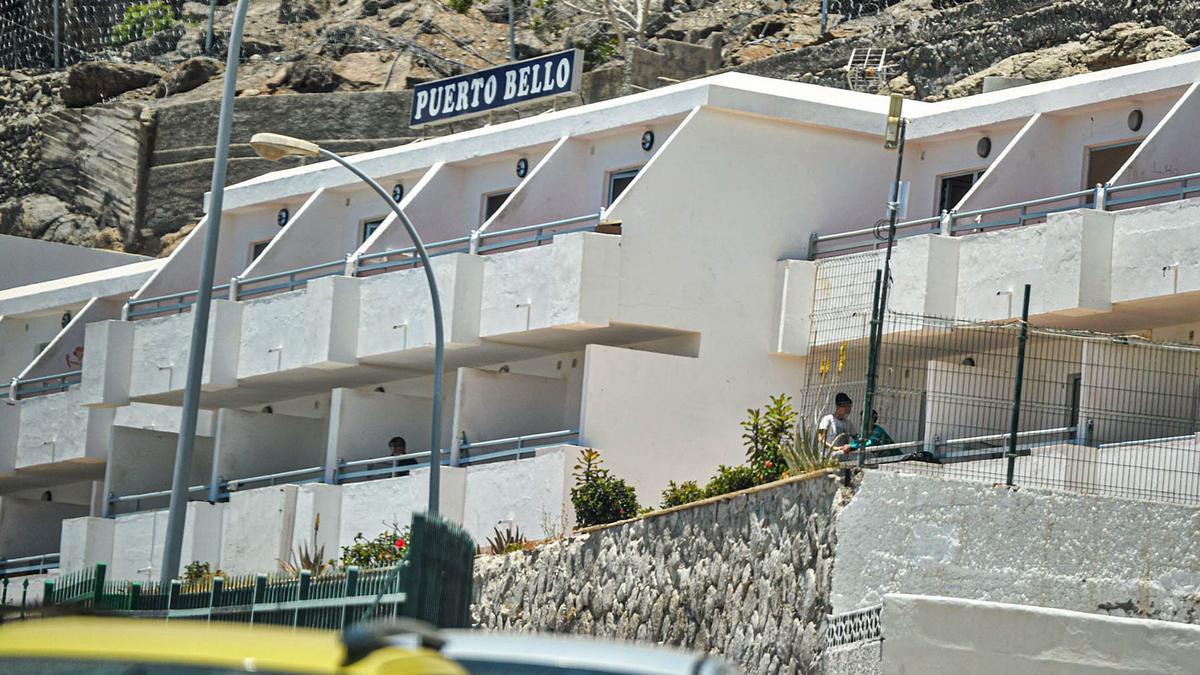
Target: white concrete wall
(493, 405)
(31, 526)
(59, 355)
(909, 534)
(371, 507)
(257, 529)
(1148, 239)
(572, 283)
(531, 494)
(926, 161)
(1167, 150)
(85, 542)
(362, 422)
(143, 461)
(1134, 392)
(21, 336)
(29, 261)
(161, 347)
(138, 541)
(396, 314)
(253, 443)
(57, 428)
(926, 634)
(315, 327)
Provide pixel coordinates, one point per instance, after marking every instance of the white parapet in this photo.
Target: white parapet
(571, 284)
(106, 371)
(316, 327)
(161, 347)
(85, 542)
(55, 428)
(930, 634)
(796, 281)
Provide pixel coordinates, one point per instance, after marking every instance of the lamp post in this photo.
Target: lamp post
(274, 147)
(177, 512)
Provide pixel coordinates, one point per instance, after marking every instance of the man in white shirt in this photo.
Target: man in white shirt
(835, 430)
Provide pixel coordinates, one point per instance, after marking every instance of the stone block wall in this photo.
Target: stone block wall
(746, 576)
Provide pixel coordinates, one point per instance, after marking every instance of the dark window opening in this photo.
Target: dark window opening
(492, 204)
(955, 188)
(617, 182)
(257, 248)
(1104, 163)
(369, 227)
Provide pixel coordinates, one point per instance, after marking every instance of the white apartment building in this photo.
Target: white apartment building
(629, 276)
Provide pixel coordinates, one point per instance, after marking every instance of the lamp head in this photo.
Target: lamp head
(275, 147)
(891, 135)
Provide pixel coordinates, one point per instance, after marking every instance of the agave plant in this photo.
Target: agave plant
(511, 539)
(304, 559)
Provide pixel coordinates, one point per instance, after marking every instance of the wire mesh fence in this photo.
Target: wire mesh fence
(44, 34)
(1097, 413)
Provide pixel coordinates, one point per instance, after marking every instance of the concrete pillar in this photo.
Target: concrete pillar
(795, 282)
(318, 501)
(85, 542)
(105, 380)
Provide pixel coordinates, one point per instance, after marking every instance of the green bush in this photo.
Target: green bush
(460, 6)
(598, 496)
(597, 50)
(142, 21)
(388, 548)
(676, 495)
(768, 437)
(729, 479)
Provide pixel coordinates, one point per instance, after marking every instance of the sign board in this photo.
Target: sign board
(464, 96)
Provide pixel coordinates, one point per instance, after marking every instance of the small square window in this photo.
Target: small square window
(493, 202)
(257, 248)
(617, 182)
(369, 227)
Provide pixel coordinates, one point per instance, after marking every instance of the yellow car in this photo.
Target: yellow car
(147, 647)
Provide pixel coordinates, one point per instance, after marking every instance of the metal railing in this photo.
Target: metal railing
(991, 450)
(367, 264)
(137, 499)
(522, 446)
(392, 466)
(34, 564)
(4, 391)
(46, 384)
(1027, 212)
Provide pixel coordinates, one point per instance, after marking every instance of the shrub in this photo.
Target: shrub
(598, 496)
(768, 437)
(729, 479)
(142, 21)
(199, 572)
(389, 548)
(598, 50)
(460, 6)
(676, 495)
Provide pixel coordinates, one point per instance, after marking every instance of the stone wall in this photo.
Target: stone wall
(746, 575)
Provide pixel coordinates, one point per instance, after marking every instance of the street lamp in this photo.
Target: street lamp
(177, 512)
(274, 147)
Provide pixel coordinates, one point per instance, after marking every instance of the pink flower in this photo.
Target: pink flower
(768, 464)
(400, 543)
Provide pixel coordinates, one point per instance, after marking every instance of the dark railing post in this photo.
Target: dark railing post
(872, 357)
(135, 595)
(214, 596)
(98, 591)
(301, 594)
(24, 597)
(1016, 408)
(350, 590)
(174, 595)
(48, 592)
(260, 594)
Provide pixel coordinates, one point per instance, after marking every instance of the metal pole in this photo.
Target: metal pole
(57, 37)
(1016, 409)
(824, 15)
(872, 355)
(208, 36)
(880, 306)
(191, 392)
(512, 33)
(439, 346)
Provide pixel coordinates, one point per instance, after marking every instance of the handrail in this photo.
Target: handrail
(951, 222)
(519, 440)
(183, 300)
(51, 384)
(32, 564)
(1168, 439)
(119, 499)
(235, 484)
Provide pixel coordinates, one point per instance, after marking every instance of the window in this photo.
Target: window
(1104, 163)
(369, 227)
(493, 202)
(39, 349)
(617, 182)
(954, 187)
(257, 248)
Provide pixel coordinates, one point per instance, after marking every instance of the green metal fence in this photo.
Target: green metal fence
(432, 584)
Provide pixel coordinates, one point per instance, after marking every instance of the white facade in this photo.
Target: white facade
(642, 324)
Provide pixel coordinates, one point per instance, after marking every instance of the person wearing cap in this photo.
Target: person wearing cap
(835, 429)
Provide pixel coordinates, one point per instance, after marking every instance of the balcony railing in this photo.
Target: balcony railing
(353, 471)
(1008, 215)
(362, 265)
(34, 564)
(47, 384)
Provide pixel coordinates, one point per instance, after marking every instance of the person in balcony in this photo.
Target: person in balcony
(836, 429)
(398, 447)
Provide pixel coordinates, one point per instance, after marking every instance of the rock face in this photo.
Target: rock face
(187, 76)
(95, 81)
(747, 576)
(1120, 45)
(45, 217)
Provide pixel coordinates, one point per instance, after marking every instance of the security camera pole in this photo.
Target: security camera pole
(893, 139)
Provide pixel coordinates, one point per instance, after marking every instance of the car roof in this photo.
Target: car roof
(567, 651)
(226, 645)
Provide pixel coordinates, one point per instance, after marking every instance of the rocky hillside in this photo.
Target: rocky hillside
(936, 49)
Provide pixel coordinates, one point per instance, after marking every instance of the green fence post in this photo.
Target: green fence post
(135, 595)
(1016, 408)
(24, 596)
(173, 598)
(348, 591)
(4, 594)
(98, 580)
(214, 596)
(260, 594)
(48, 592)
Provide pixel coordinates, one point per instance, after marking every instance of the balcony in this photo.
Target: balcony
(60, 440)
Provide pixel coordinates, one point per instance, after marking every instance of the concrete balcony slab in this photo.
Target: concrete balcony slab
(56, 434)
